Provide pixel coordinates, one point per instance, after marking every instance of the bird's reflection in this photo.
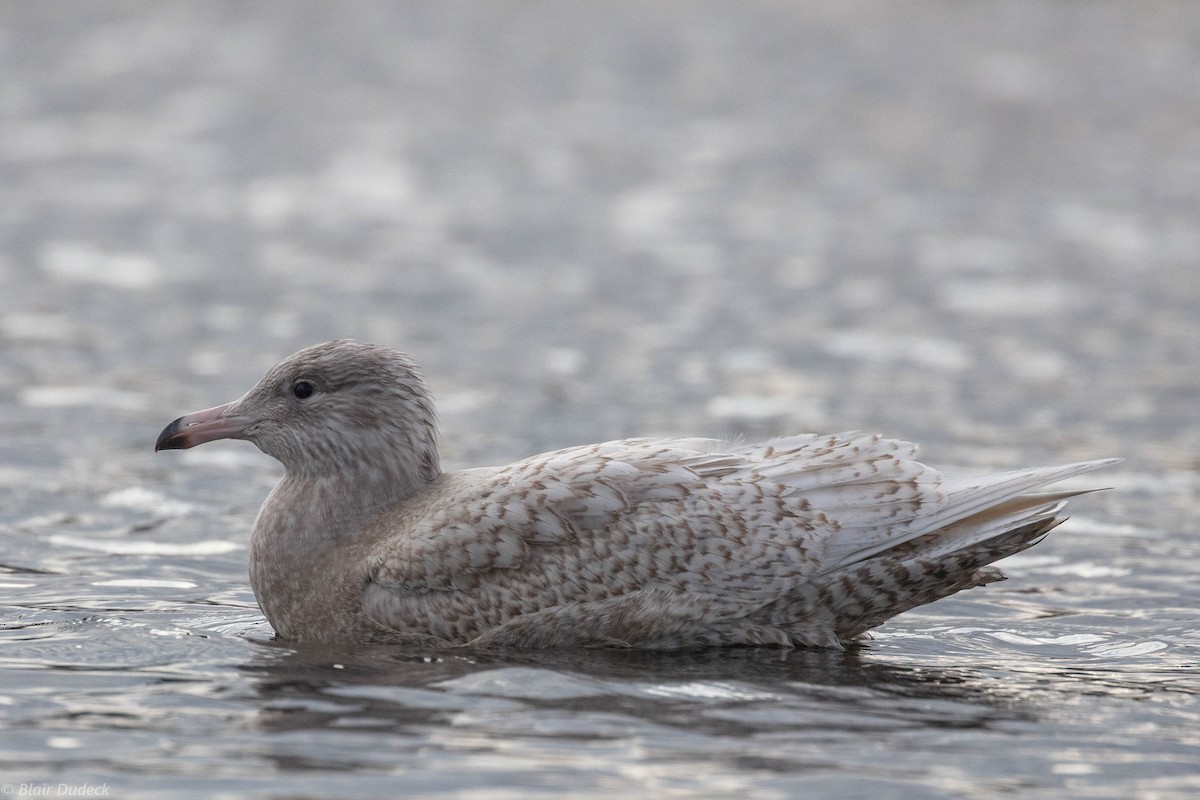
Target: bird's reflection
(713, 691)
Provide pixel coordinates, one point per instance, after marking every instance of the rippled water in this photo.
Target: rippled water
(973, 227)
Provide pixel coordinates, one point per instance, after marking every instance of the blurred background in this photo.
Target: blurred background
(937, 220)
(975, 226)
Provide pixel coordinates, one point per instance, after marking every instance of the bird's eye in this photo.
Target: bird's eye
(303, 390)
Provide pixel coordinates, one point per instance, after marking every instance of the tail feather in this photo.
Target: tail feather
(887, 587)
(884, 569)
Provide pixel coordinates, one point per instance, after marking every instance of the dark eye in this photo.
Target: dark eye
(303, 389)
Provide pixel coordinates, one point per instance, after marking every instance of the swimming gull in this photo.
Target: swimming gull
(653, 543)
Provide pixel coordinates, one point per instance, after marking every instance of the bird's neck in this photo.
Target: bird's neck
(311, 508)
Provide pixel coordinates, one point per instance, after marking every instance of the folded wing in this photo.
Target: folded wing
(692, 541)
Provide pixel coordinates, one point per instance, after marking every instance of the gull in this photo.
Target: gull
(799, 541)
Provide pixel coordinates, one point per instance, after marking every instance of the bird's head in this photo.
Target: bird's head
(338, 408)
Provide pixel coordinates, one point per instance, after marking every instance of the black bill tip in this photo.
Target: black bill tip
(169, 439)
